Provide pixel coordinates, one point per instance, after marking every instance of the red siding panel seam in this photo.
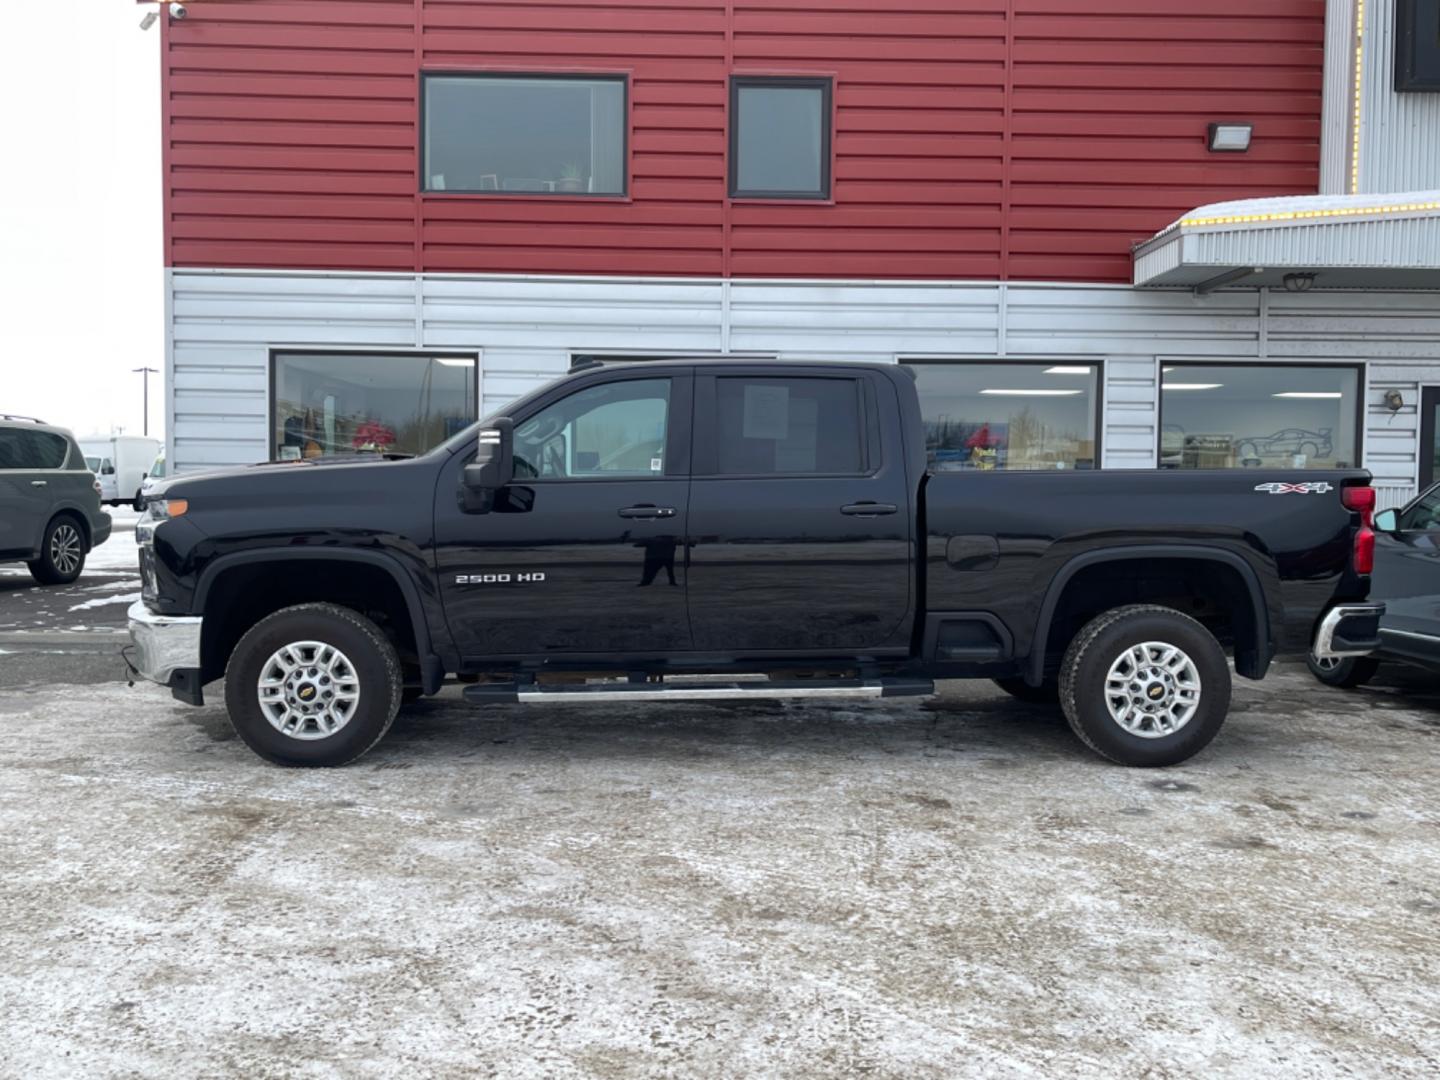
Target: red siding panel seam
(419, 186)
(1006, 146)
(727, 164)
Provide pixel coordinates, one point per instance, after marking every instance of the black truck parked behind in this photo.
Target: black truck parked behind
(645, 531)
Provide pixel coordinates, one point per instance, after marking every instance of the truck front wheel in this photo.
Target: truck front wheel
(1145, 685)
(314, 684)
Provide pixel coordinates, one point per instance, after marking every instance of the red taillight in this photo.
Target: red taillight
(1362, 501)
(1365, 550)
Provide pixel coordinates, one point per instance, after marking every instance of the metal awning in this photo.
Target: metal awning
(1345, 241)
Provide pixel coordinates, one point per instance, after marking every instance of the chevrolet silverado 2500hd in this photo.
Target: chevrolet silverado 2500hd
(646, 531)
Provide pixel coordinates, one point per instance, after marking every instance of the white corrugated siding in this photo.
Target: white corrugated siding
(225, 323)
(1399, 133)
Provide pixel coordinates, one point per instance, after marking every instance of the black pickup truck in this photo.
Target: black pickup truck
(722, 529)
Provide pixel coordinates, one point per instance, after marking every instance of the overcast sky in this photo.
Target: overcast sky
(81, 266)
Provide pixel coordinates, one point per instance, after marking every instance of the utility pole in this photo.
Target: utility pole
(147, 372)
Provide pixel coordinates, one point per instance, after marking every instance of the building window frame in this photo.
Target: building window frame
(1362, 375)
(1101, 392)
(825, 83)
(274, 352)
(1409, 40)
(624, 78)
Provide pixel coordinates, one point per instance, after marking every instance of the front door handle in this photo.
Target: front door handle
(646, 510)
(868, 509)
(39, 483)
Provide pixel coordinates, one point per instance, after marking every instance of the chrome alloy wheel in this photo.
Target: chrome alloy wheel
(1152, 690)
(308, 690)
(66, 549)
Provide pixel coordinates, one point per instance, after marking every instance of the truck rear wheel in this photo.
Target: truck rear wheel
(1145, 685)
(314, 684)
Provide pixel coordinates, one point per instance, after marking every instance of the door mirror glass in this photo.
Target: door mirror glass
(494, 464)
(1387, 521)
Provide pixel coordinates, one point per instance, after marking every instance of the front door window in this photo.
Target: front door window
(609, 431)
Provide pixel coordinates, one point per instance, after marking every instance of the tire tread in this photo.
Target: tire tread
(393, 673)
(1081, 644)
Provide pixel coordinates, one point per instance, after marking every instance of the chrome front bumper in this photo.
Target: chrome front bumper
(164, 644)
(1348, 630)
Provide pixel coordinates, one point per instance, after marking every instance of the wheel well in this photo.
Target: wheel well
(243, 595)
(1213, 593)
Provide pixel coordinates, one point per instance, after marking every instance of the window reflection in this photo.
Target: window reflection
(988, 416)
(1235, 416)
(352, 403)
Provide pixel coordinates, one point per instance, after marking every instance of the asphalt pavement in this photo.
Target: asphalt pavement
(71, 633)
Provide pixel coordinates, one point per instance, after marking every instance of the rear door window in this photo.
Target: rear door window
(47, 450)
(788, 426)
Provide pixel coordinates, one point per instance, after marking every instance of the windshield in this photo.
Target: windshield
(93, 464)
(157, 470)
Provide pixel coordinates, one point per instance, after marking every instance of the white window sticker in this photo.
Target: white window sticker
(656, 465)
(767, 411)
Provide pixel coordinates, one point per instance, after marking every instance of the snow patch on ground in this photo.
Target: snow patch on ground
(105, 601)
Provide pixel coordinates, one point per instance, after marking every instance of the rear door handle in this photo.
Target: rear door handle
(646, 510)
(39, 483)
(868, 509)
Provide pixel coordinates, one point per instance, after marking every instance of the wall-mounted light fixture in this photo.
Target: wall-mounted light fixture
(1229, 137)
(1298, 282)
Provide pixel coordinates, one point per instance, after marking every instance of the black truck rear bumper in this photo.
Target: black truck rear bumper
(1349, 630)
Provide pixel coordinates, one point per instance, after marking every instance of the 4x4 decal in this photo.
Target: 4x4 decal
(1313, 487)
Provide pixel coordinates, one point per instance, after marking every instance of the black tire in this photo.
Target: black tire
(1047, 693)
(370, 660)
(1347, 672)
(1103, 642)
(62, 552)
(139, 504)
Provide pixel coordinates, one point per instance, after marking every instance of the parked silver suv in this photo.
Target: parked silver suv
(50, 514)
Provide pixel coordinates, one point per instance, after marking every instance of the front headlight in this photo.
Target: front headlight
(164, 509)
(156, 512)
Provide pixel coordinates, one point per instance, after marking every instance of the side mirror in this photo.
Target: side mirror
(493, 467)
(1388, 521)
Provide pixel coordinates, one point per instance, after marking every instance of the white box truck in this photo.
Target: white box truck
(120, 462)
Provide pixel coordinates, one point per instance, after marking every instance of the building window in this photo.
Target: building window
(533, 135)
(1417, 45)
(1235, 416)
(767, 426)
(1008, 415)
(329, 403)
(779, 138)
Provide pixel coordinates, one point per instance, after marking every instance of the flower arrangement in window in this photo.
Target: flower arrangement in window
(373, 435)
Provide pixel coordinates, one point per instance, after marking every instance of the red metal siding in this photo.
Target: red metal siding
(1030, 139)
